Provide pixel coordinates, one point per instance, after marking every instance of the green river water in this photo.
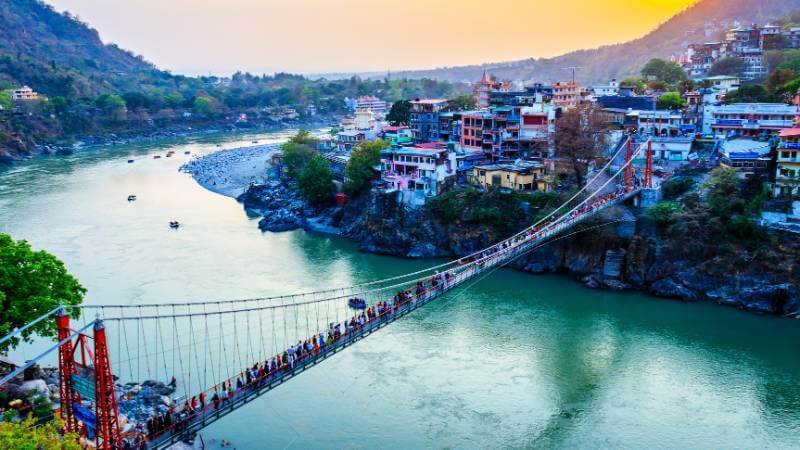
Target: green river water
(516, 361)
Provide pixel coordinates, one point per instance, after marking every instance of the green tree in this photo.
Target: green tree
(110, 103)
(635, 83)
(731, 66)
(671, 101)
(792, 64)
(298, 152)
(462, 103)
(27, 435)
(205, 105)
(316, 182)
(400, 113)
(5, 101)
(778, 78)
(360, 166)
(663, 213)
(662, 70)
(749, 93)
(31, 284)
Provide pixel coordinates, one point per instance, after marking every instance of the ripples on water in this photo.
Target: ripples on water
(515, 361)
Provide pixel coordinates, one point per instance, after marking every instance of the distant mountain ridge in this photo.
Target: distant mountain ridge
(616, 61)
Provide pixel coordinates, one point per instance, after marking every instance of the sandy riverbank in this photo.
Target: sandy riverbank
(230, 172)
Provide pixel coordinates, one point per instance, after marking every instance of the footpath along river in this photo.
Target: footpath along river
(515, 361)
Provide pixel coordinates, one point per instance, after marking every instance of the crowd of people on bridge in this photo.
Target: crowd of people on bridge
(176, 421)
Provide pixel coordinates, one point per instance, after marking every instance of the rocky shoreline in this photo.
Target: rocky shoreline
(625, 256)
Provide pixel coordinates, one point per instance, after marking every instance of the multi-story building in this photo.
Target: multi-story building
(661, 122)
(424, 119)
(748, 119)
(346, 140)
(787, 173)
(566, 94)
(536, 128)
(612, 88)
(376, 105)
(747, 156)
(518, 176)
(529, 96)
(418, 172)
(494, 131)
(24, 93)
(450, 126)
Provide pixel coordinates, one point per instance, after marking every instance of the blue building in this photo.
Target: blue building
(424, 119)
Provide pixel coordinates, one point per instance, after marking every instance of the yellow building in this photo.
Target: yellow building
(521, 176)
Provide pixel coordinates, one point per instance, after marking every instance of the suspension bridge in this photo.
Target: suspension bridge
(220, 355)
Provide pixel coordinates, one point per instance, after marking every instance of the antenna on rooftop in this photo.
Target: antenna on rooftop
(573, 69)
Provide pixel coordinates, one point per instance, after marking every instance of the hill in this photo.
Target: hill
(63, 56)
(616, 61)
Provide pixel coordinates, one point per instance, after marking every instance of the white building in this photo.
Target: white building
(612, 88)
(661, 122)
(24, 93)
(418, 172)
(378, 106)
(748, 119)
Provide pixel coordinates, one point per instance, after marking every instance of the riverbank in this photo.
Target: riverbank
(230, 172)
(633, 255)
(152, 134)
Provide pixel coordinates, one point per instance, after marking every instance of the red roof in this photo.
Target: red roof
(432, 145)
(786, 132)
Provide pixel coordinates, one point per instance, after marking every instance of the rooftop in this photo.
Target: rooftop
(787, 132)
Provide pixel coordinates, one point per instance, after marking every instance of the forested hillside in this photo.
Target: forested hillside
(617, 61)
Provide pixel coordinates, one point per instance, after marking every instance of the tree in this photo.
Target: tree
(27, 435)
(205, 105)
(31, 284)
(400, 113)
(662, 70)
(110, 103)
(778, 78)
(5, 101)
(671, 101)
(462, 103)
(316, 182)
(749, 93)
(731, 66)
(792, 64)
(580, 138)
(635, 83)
(360, 166)
(297, 153)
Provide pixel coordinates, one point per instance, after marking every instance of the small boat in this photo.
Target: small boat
(187, 152)
(130, 161)
(174, 224)
(131, 198)
(170, 153)
(219, 145)
(255, 142)
(357, 303)
(156, 156)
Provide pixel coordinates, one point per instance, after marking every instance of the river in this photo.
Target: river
(514, 361)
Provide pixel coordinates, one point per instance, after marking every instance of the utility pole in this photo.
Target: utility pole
(573, 69)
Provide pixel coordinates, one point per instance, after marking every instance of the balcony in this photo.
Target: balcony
(789, 145)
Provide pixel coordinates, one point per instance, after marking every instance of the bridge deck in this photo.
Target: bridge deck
(259, 387)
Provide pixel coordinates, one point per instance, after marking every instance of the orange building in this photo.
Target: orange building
(566, 94)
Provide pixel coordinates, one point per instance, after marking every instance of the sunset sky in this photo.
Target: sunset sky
(312, 36)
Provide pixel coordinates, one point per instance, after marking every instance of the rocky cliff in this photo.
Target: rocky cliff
(627, 255)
